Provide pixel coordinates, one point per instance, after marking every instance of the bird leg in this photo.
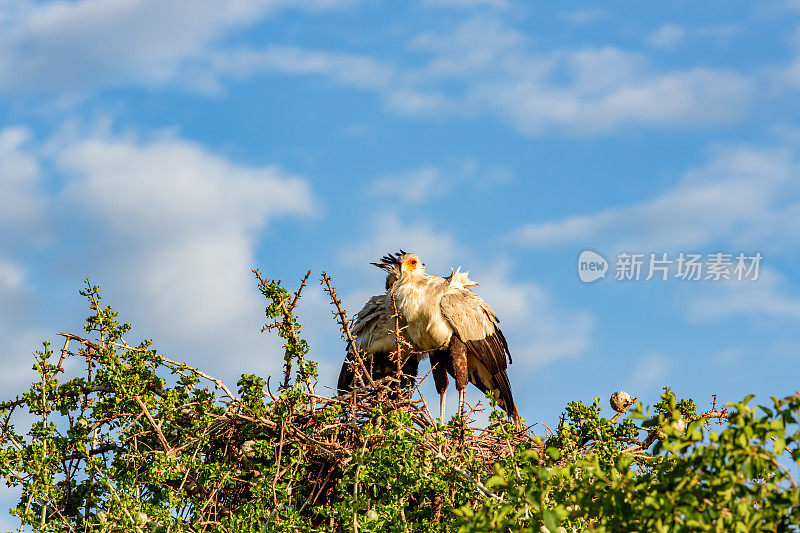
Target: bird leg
(458, 358)
(440, 379)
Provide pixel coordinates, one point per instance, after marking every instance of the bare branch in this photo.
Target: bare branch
(341, 318)
(156, 428)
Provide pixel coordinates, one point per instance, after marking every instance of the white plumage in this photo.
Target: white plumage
(374, 333)
(459, 329)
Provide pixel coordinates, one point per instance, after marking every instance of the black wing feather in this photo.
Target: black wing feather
(491, 353)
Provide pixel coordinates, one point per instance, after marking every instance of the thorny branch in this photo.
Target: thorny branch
(156, 429)
(341, 317)
(218, 383)
(402, 345)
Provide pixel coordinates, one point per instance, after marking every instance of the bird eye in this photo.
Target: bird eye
(413, 261)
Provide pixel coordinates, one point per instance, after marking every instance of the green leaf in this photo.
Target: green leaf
(551, 519)
(780, 445)
(747, 468)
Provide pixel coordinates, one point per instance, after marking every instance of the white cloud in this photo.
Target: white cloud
(165, 226)
(743, 195)
(484, 66)
(357, 71)
(783, 77)
(586, 90)
(720, 34)
(415, 186)
(418, 103)
(732, 355)
(670, 36)
(781, 7)
(16, 352)
(678, 99)
(429, 183)
(765, 297)
(584, 17)
(497, 4)
(788, 75)
(743, 199)
(648, 371)
(88, 44)
(388, 234)
(21, 202)
(596, 70)
(54, 45)
(603, 88)
(538, 331)
(357, 130)
(168, 229)
(480, 66)
(475, 46)
(18, 338)
(667, 36)
(350, 70)
(167, 187)
(11, 277)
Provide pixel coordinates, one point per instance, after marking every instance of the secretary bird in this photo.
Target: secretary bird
(374, 334)
(444, 317)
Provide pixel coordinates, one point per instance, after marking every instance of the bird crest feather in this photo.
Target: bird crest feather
(460, 279)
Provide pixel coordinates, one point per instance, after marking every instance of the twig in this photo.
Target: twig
(719, 415)
(157, 429)
(217, 382)
(277, 468)
(344, 324)
(466, 475)
(355, 485)
(64, 352)
(397, 339)
(299, 290)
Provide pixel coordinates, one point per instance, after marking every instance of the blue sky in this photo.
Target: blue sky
(165, 148)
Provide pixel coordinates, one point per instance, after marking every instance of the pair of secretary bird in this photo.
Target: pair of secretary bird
(439, 316)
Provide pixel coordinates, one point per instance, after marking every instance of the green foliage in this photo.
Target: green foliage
(281, 306)
(698, 479)
(141, 443)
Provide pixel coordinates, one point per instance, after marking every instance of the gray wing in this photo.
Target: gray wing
(374, 326)
(469, 315)
(473, 320)
(476, 325)
(373, 330)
